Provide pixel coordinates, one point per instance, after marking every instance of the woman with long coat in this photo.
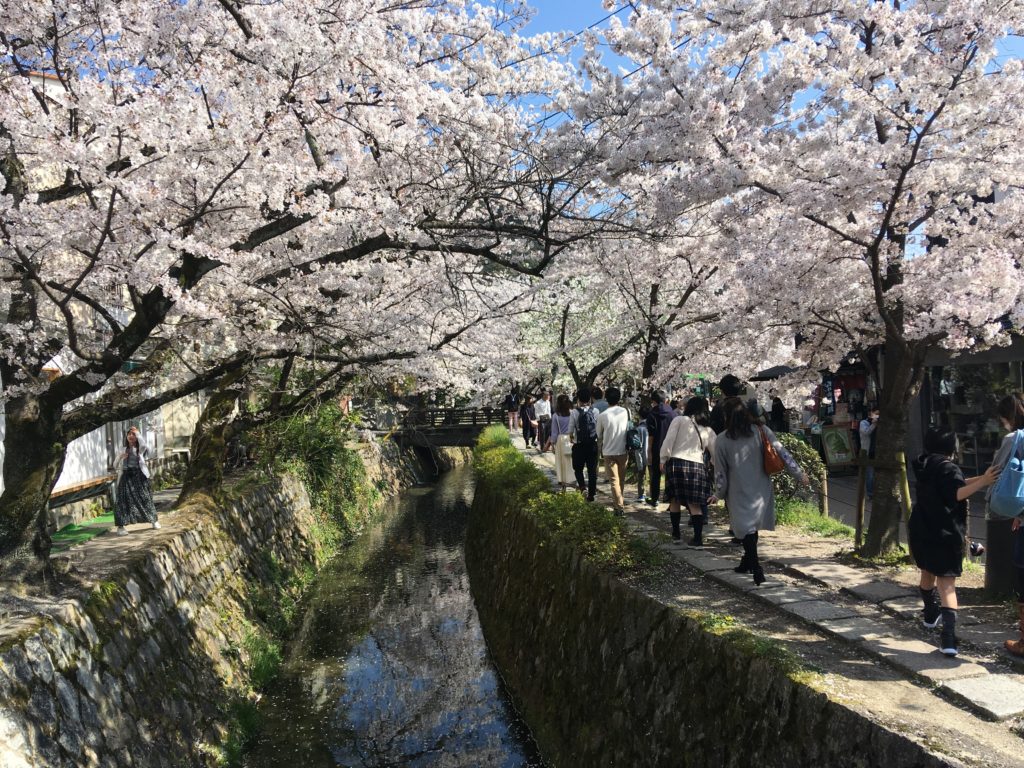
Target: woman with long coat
(134, 501)
(742, 481)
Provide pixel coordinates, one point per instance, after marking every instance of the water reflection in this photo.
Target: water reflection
(389, 667)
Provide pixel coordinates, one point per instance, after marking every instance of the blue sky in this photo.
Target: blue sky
(575, 15)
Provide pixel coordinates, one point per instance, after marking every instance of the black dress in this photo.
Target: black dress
(938, 522)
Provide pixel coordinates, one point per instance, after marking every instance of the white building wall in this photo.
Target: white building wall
(92, 455)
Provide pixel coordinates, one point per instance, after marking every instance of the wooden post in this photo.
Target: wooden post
(904, 485)
(823, 496)
(861, 500)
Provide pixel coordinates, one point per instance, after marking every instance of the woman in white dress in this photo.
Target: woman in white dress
(559, 440)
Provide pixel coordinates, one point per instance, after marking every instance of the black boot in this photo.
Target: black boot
(675, 517)
(753, 563)
(930, 615)
(744, 566)
(948, 642)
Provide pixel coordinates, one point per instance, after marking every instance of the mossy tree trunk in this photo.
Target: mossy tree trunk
(205, 471)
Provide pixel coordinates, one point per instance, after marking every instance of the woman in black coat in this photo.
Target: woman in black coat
(937, 530)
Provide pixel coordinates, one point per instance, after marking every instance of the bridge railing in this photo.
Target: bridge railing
(452, 418)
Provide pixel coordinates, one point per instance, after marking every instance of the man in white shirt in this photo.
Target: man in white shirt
(611, 436)
(543, 410)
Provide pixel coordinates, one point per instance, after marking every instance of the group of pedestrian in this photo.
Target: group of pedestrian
(680, 445)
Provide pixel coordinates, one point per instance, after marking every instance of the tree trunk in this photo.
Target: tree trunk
(901, 380)
(34, 451)
(206, 462)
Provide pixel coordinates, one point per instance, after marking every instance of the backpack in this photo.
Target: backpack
(633, 441)
(586, 427)
(1007, 499)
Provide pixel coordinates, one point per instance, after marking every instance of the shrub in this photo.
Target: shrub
(595, 531)
(314, 446)
(264, 660)
(807, 517)
(810, 462)
(493, 436)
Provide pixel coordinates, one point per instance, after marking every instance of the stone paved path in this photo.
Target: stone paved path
(878, 616)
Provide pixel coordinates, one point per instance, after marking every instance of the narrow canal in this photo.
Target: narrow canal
(389, 665)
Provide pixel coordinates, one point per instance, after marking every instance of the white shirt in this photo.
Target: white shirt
(542, 408)
(611, 430)
(683, 441)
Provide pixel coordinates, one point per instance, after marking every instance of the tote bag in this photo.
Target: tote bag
(1007, 498)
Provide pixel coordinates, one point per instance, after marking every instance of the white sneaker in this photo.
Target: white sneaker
(121, 531)
(156, 525)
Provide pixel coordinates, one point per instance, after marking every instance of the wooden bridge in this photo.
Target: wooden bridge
(439, 427)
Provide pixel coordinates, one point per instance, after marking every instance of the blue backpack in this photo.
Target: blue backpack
(1007, 498)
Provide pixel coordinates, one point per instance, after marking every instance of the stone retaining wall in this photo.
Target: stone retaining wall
(138, 669)
(607, 676)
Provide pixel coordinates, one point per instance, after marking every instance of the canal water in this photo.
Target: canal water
(389, 665)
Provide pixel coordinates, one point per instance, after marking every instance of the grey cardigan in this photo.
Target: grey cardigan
(743, 483)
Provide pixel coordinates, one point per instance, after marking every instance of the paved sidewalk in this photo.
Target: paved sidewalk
(879, 617)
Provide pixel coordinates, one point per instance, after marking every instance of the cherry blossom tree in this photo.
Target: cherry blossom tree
(857, 142)
(194, 190)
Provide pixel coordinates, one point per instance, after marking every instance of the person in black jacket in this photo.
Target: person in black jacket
(528, 418)
(730, 386)
(937, 530)
(658, 421)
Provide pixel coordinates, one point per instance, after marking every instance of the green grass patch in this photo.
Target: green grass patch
(494, 436)
(243, 727)
(806, 517)
(264, 659)
(756, 645)
(79, 533)
(596, 532)
(898, 558)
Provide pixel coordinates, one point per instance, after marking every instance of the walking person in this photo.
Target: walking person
(612, 425)
(600, 402)
(560, 442)
(779, 419)
(134, 502)
(658, 421)
(1011, 415)
(687, 482)
(698, 409)
(512, 408)
(741, 480)
(583, 432)
(640, 454)
(543, 410)
(937, 529)
(528, 418)
(866, 430)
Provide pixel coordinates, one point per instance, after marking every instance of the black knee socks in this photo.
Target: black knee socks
(697, 522)
(675, 518)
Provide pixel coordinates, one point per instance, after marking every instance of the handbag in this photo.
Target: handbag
(773, 463)
(1007, 499)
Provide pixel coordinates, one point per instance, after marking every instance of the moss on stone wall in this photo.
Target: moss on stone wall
(607, 676)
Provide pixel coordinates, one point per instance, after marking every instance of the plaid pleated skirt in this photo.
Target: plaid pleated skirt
(686, 482)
